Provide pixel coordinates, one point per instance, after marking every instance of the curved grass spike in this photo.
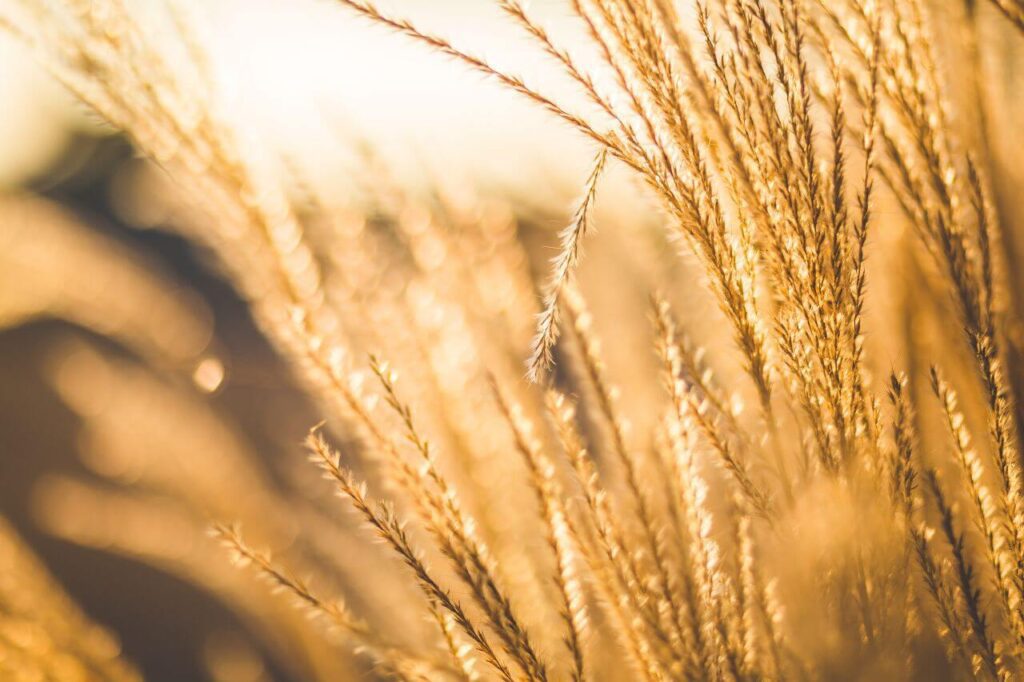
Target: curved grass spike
(470, 557)
(333, 611)
(557, 534)
(387, 526)
(563, 266)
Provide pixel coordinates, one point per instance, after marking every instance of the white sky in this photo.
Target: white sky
(300, 67)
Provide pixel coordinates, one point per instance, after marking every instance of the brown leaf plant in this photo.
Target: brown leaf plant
(828, 166)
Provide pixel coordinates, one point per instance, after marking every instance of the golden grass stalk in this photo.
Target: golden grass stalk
(386, 525)
(333, 611)
(613, 568)
(986, 656)
(557, 532)
(690, 405)
(985, 512)
(1012, 10)
(564, 265)
(453, 532)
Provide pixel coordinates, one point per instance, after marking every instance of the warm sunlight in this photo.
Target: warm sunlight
(582, 340)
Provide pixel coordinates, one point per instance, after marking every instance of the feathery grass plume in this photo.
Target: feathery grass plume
(461, 653)
(629, 461)
(717, 657)
(902, 470)
(687, 401)
(564, 264)
(613, 567)
(985, 520)
(387, 526)
(333, 611)
(557, 534)
(943, 597)
(763, 643)
(903, 485)
(985, 656)
(903, 467)
(693, 204)
(469, 560)
(150, 529)
(727, 625)
(453, 532)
